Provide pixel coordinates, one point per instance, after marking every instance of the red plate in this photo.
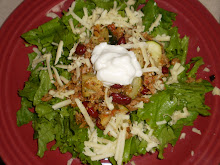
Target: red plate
(17, 146)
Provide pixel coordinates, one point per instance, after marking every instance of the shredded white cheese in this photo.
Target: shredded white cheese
(161, 122)
(115, 123)
(130, 2)
(198, 49)
(73, 49)
(41, 68)
(183, 135)
(52, 15)
(54, 43)
(120, 146)
(48, 57)
(192, 153)
(85, 114)
(37, 60)
(64, 79)
(139, 105)
(156, 23)
(195, 130)
(216, 91)
(59, 52)
(61, 104)
(162, 38)
(70, 161)
(175, 71)
(36, 50)
(145, 54)
(179, 115)
(57, 76)
(151, 69)
(206, 69)
(99, 148)
(79, 19)
(76, 64)
(44, 49)
(108, 100)
(138, 129)
(132, 163)
(60, 94)
(159, 85)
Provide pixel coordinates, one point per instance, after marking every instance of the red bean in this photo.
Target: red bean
(165, 70)
(92, 112)
(121, 40)
(120, 98)
(85, 103)
(80, 49)
(117, 86)
(145, 91)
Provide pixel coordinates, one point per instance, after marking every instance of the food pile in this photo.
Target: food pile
(110, 80)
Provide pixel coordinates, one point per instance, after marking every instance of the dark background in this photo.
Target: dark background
(1, 161)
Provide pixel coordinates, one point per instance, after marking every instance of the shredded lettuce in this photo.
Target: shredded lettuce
(165, 103)
(24, 115)
(44, 86)
(151, 12)
(177, 47)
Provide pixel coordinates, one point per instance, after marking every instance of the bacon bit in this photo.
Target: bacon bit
(190, 80)
(111, 27)
(199, 80)
(47, 97)
(83, 125)
(99, 125)
(174, 61)
(128, 134)
(147, 36)
(104, 119)
(115, 111)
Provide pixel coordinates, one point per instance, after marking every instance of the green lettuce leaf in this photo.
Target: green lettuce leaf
(24, 115)
(45, 135)
(151, 12)
(192, 95)
(32, 85)
(177, 47)
(31, 57)
(43, 109)
(44, 87)
(163, 103)
(43, 34)
(29, 90)
(165, 134)
(108, 4)
(197, 61)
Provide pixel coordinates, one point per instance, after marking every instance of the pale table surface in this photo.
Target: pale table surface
(7, 7)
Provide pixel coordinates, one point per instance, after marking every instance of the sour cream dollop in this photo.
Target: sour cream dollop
(115, 65)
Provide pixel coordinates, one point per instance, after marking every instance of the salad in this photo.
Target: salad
(109, 79)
